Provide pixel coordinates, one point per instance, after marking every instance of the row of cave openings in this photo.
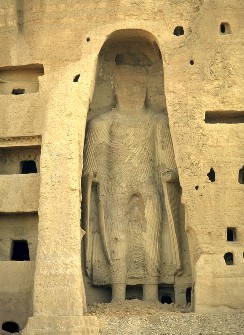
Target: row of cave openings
(231, 236)
(20, 249)
(166, 293)
(168, 298)
(165, 298)
(211, 176)
(30, 73)
(224, 28)
(229, 258)
(29, 166)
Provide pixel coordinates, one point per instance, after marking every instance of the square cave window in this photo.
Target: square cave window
(28, 167)
(229, 258)
(20, 250)
(231, 234)
(166, 294)
(241, 175)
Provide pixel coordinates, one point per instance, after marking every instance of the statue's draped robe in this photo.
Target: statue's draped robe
(131, 220)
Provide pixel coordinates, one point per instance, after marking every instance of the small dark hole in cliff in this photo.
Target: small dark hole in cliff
(76, 78)
(179, 30)
(17, 91)
(211, 175)
(224, 28)
(10, 326)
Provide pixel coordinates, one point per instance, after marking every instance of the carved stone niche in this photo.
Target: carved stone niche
(20, 160)
(131, 209)
(18, 80)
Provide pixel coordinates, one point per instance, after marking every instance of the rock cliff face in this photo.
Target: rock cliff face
(57, 66)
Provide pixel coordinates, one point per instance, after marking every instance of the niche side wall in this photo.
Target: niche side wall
(20, 150)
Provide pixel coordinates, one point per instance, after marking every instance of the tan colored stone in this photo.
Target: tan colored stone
(192, 74)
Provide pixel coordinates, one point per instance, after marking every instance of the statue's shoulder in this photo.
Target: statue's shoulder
(103, 119)
(159, 117)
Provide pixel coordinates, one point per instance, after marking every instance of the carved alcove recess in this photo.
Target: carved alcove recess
(19, 179)
(18, 80)
(135, 238)
(20, 160)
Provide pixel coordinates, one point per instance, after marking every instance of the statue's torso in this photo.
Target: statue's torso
(130, 149)
(125, 150)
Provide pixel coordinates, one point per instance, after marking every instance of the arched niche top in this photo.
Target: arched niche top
(125, 34)
(133, 47)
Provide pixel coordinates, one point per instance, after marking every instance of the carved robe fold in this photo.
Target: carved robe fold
(129, 213)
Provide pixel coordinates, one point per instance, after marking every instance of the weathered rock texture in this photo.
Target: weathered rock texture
(57, 59)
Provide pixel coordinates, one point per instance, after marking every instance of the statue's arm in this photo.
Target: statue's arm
(95, 173)
(91, 141)
(97, 139)
(168, 175)
(94, 164)
(165, 152)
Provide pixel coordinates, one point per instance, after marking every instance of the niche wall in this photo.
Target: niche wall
(14, 228)
(137, 48)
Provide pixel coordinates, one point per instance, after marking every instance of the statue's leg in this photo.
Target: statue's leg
(153, 219)
(118, 275)
(150, 292)
(118, 255)
(118, 292)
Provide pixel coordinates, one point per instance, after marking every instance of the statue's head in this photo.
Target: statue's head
(130, 83)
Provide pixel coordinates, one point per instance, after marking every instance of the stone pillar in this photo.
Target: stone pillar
(181, 285)
(58, 285)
